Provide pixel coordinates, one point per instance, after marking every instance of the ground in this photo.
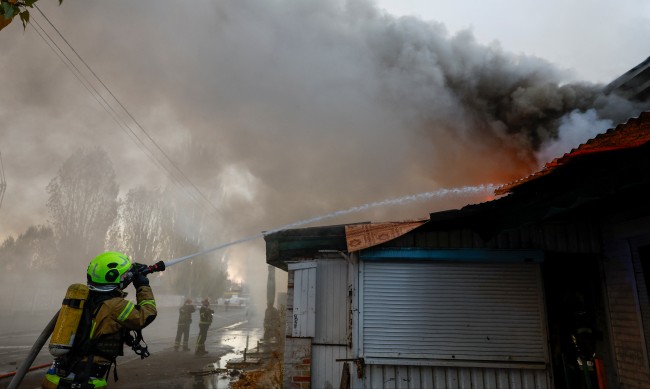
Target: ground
(169, 369)
(182, 370)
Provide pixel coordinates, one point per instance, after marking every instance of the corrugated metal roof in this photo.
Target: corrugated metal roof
(634, 84)
(634, 133)
(601, 177)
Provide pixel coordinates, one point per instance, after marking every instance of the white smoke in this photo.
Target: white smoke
(574, 129)
(284, 110)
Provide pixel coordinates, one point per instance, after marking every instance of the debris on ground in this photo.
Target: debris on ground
(269, 376)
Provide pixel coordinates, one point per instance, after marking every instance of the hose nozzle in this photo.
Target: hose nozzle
(156, 267)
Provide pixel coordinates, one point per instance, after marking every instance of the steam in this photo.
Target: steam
(279, 110)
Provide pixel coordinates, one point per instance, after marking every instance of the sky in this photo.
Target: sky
(596, 40)
(279, 111)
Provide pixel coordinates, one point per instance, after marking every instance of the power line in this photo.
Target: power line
(175, 173)
(104, 104)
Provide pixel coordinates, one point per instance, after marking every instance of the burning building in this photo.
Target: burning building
(548, 286)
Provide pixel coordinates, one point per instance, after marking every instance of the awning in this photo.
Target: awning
(364, 235)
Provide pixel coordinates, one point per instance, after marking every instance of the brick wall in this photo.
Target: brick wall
(297, 363)
(297, 351)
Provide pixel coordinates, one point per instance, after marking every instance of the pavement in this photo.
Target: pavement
(231, 333)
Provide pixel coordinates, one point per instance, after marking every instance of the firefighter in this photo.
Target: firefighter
(110, 317)
(205, 319)
(184, 321)
(583, 338)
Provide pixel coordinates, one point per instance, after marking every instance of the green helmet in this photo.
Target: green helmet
(108, 271)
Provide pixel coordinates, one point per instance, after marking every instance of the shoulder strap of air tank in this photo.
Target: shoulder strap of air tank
(94, 303)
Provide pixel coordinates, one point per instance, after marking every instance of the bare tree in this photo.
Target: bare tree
(139, 231)
(82, 205)
(183, 229)
(32, 250)
(186, 228)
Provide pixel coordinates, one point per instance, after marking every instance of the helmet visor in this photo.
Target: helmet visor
(126, 278)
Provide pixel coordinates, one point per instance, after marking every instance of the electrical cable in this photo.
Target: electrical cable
(88, 85)
(112, 112)
(421, 196)
(105, 104)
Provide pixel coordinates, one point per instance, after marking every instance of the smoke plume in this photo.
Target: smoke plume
(283, 110)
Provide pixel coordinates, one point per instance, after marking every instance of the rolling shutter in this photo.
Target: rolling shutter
(451, 311)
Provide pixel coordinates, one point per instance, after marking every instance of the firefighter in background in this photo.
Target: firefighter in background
(205, 319)
(100, 337)
(184, 321)
(583, 338)
(580, 338)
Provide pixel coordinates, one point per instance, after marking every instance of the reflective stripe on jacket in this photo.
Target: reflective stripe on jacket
(118, 314)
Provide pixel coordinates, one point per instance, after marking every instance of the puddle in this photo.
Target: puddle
(215, 374)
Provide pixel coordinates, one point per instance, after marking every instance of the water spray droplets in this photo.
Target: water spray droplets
(464, 191)
(441, 193)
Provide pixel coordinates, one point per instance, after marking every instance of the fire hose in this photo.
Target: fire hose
(36, 348)
(19, 375)
(37, 367)
(160, 266)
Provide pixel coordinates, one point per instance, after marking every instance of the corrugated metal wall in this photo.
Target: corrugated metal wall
(288, 313)
(332, 330)
(642, 286)
(576, 238)
(303, 321)
(626, 327)
(570, 238)
(453, 311)
(326, 372)
(623, 290)
(332, 302)
(420, 377)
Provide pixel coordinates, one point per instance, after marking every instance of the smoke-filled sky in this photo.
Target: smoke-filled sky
(281, 110)
(597, 40)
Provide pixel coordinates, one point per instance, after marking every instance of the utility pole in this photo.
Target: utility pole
(3, 182)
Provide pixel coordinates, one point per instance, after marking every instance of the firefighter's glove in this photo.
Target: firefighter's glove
(139, 280)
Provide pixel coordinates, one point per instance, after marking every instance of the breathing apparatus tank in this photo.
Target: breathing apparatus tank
(67, 323)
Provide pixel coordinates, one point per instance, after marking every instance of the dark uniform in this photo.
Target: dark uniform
(184, 321)
(204, 323)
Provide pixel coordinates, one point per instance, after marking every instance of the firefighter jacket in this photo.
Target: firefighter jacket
(112, 316)
(116, 315)
(206, 315)
(185, 314)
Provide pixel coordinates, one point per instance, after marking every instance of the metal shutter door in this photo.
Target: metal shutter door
(453, 311)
